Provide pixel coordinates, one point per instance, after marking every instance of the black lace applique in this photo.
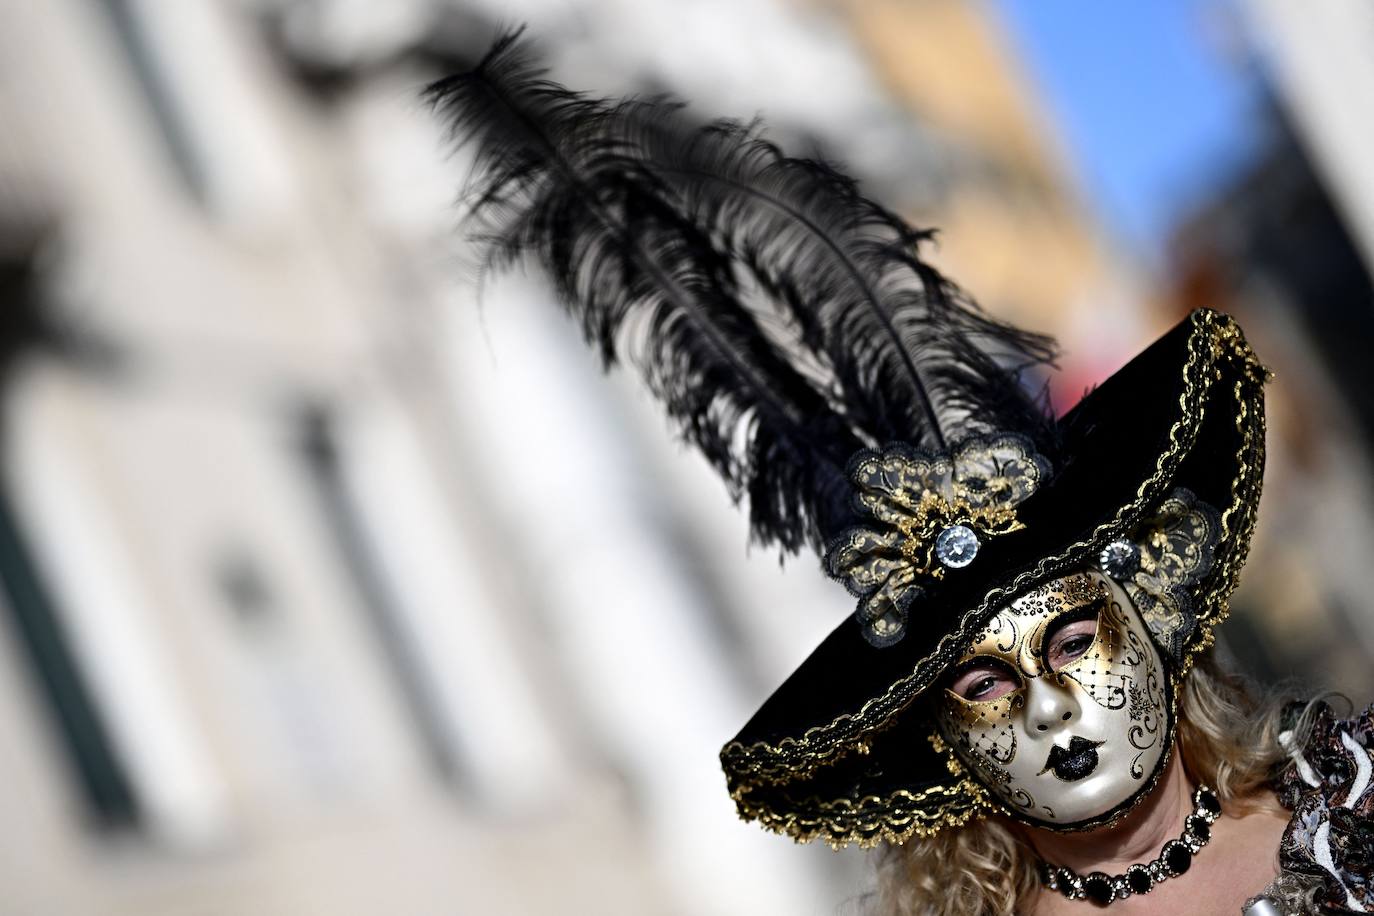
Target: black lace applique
(1161, 564)
(927, 513)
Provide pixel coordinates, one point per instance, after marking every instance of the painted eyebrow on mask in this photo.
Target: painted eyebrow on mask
(1090, 611)
(988, 668)
(1034, 641)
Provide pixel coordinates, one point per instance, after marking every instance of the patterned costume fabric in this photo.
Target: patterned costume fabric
(1331, 794)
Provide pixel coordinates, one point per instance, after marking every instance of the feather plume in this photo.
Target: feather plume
(556, 182)
(784, 320)
(915, 359)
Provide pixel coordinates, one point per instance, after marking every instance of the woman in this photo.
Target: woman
(1226, 741)
(1023, 706)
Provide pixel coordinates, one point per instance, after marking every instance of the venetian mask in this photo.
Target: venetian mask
(1061, 707)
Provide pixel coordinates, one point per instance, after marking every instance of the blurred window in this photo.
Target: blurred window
(348, 529)
(102, 779)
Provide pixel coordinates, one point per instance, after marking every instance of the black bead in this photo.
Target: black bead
(1097, 887)
(1139, 879)
(1177, 856)
(1208, 802)
(1198, 827)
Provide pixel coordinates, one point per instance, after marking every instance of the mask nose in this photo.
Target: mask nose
(1049, 705)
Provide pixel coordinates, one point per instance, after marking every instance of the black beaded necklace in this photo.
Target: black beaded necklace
(1173, 860)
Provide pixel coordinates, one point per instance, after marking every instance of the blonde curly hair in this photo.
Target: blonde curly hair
(1227, 738)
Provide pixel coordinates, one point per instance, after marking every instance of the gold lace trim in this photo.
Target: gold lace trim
(874, 819)
(902, 814)
(910, 498)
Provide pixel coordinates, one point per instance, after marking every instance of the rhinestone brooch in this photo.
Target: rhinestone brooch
(1120, 559)
(956, 546)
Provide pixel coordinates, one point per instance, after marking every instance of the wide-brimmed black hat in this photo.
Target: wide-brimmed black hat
(857, 403)
(842, 749)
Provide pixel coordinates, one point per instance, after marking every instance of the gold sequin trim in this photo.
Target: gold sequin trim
(873, 819)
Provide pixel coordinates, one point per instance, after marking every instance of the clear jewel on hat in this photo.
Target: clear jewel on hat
(926, 514)
(956, 546)
(1119, 559)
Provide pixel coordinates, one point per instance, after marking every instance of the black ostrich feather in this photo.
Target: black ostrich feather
(913, 358)
(556, 181)
(784, 320)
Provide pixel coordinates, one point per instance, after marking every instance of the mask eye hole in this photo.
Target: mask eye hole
(983, 679)
(1070, 636)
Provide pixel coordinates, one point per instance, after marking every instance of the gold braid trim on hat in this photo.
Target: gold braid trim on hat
(873, 819)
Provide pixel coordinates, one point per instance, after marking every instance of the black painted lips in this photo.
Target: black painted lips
(1075, 762)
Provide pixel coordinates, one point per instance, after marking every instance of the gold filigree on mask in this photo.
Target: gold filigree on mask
(982, 729)
(913, 497)
(1016, 636)
(1065, 593)
(1103, 671)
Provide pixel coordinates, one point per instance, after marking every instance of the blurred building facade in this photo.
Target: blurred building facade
(329, 589)
(1013, 228)
(253, 662)
(1284, 245)
(1319, 63)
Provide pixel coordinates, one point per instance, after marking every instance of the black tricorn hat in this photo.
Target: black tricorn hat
(842, 749)
(861, 405)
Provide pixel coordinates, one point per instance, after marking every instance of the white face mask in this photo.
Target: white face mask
(1061, 708)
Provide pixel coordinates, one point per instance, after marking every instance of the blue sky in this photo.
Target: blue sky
(1149, 109)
